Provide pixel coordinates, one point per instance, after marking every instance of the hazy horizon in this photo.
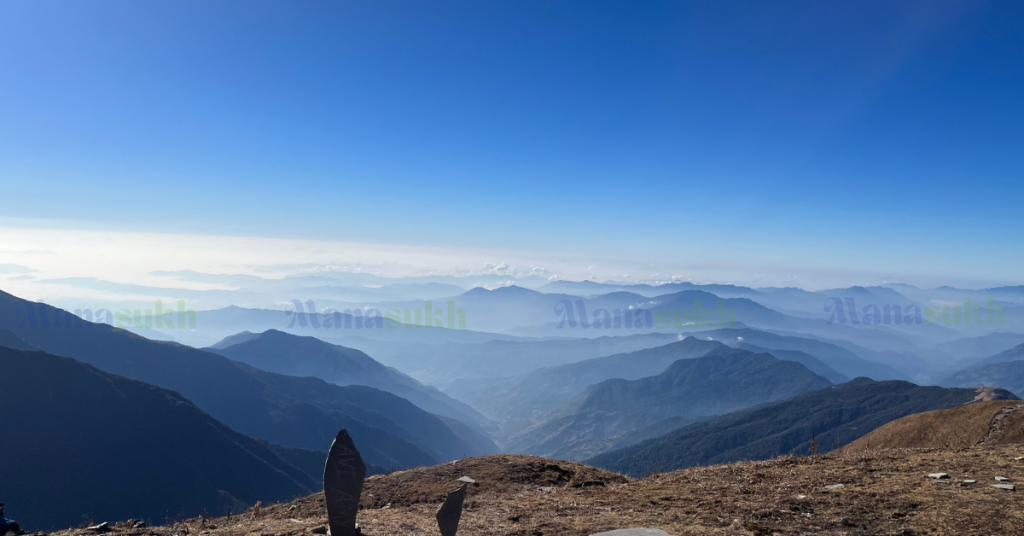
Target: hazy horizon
(857, 144)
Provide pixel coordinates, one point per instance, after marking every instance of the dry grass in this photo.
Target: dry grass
(886, 492)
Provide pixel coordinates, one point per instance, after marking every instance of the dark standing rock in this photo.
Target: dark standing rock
(343, 482)
(450, 513)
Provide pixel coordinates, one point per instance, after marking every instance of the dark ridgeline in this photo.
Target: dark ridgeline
(344, 473)
(79, 440)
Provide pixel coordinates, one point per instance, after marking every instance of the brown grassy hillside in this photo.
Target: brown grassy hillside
(885, 492)
(990, 423)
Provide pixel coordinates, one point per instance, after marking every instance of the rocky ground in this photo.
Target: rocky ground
(882, 492)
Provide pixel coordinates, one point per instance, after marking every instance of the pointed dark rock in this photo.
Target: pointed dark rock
(451, 511)
(343, 482)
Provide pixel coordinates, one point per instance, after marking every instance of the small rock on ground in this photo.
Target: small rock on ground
(633, 532)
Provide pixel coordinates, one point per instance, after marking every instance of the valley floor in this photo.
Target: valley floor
(883, 493)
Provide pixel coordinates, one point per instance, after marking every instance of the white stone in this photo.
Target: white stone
(1002, 479)
(835, 486)
(1007, 487)
(467, 480)
(938, 475)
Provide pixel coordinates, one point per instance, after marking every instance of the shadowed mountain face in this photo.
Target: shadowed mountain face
(836, 357)
(283, 353)
(80, 440)
(834, 415)
(984, 346)
(290, 411)
(546, 388)
(689, 389)
(812, 363)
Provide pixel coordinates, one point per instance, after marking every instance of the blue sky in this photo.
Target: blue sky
(875, 137)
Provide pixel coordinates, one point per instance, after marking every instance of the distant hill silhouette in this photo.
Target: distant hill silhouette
(78, 440)
(294, 355)
(546, 388)
(834, 415)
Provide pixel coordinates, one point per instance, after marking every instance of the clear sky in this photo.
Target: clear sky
(861, 137)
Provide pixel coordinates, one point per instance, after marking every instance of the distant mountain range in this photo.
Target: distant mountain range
(833, 415)
(79, 441)
(722, 381)
(545, 388)
(286, 410)
(696, 310)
